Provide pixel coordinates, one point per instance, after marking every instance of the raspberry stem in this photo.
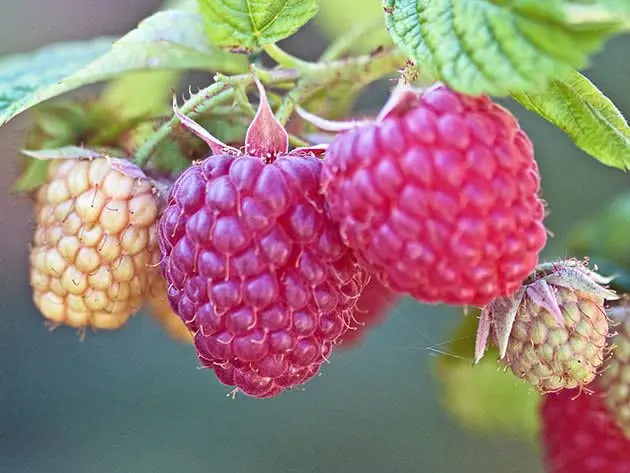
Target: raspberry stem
(285, 59)
(197, 104)
(297, 142)
(287, 106)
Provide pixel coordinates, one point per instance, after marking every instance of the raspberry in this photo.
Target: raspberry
(372, 308)
(580, 436)
(161, 311)
(255, 267)
(552, 333)
(439, 196)
(615, 378)
(96, 233)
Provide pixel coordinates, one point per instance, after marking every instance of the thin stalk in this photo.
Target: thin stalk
(196, 105)
(285, 59)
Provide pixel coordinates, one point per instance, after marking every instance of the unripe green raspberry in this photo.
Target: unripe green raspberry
(550, 356)
(615, 378)
(96, 234)
(162, 313)
(553, 332)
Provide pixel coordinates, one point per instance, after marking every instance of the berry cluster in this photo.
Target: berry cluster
(266, 254)
(265, 258)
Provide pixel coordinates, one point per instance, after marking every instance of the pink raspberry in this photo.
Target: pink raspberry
(439, 196)
(580, 436)
(255, 267)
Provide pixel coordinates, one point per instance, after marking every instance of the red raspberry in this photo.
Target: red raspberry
(439, 196)
(372, 308)
(255, 267)
(579, 436)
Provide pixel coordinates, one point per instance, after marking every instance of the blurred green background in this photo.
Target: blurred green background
(133, 401)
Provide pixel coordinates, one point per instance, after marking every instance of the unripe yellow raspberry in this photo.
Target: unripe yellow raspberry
(95, 238)
(164, 315)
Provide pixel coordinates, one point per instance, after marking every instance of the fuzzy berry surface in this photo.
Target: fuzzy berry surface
(95, 239)
(257, 269)
(580, 436)
(440, 198)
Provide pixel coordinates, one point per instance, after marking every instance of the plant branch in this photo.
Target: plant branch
(358, 71)
(287, 106)
(197, 104)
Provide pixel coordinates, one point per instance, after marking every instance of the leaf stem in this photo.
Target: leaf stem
(287, 106)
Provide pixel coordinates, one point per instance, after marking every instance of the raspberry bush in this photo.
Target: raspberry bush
(264, 223)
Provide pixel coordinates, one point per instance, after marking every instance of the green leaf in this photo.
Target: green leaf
(147, 92)
(336, 18)
(483, 397)
(575, 105)
(581, 9)
(33, 176)
(60, 124)
(141, 93)
(493, 46)
(167, 40)
(605, 235)
(246, 25)
(65, 152)
(36, 166)
(24, 77)
(616, 5)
